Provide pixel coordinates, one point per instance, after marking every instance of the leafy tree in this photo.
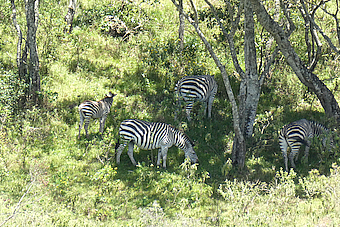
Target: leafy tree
(304, 73)
(244, 112)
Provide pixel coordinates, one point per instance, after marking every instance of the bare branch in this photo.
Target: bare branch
(310, 28)
(70, 15)
(291, 26)
(195, 11)
(337, 23)
(229, 38)
(18, 204)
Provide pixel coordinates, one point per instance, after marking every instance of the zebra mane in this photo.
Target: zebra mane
(319, 125)
(186, 136)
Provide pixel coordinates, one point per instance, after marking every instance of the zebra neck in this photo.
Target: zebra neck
(179, 139)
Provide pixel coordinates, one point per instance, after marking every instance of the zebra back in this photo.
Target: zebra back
(146, 135)
(96, 109)
(152, 135)
(196, 87)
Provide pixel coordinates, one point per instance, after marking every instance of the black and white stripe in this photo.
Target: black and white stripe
(296, 134)
(153, 135)
(196, 88)
(93, 109)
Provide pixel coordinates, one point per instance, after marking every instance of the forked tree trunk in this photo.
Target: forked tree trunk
(308, 78)
(250, 89)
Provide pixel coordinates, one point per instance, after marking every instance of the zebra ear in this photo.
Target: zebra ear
(110, 95)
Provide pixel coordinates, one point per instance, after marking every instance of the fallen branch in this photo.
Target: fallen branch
(18, 205)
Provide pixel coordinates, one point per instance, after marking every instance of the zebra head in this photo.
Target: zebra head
(109, 97)
(189, 151)
(327, 140)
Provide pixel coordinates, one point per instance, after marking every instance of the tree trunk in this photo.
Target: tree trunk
(250, 88)
(70, 15)
(21, 58)
(309, 79)
(19, 33)
(32, 21)
(181, 25)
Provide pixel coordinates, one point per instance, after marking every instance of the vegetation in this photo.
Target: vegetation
(48, 177)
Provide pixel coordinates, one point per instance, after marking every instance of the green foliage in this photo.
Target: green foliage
(12, 91)
(130, 13)
(279, 202)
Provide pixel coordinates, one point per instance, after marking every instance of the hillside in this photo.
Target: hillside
(49, 177)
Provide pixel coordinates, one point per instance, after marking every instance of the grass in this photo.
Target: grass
(77, 182)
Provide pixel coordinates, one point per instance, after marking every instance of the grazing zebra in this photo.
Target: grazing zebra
(196, 88)
(296, 134)
(93, 109)
(152, 135)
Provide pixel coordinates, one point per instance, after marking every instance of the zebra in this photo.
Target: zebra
(300, 133)
(93, 109)
(196, 88)
(152, 135)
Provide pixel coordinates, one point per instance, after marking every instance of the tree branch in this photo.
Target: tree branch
(229, 38)
(337, 23)
(18, 204)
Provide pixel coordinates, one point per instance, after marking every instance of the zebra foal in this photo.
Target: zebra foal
(299, 133)
(196, 88)
(95, 109)
(153, 135)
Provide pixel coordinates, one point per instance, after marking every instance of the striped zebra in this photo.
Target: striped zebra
(300, 133)
(196, 88)
(93, 109)
(153, 135)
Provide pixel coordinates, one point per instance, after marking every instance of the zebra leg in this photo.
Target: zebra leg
(164, 152)
(305, 157)
(205, 108)
(293, 154)
(87, 122)
(130, 153)
(159, 157)
(119, 152)
(210, 103)
(188, 110)
(284, 147)
(80, 123)
(101, 125)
